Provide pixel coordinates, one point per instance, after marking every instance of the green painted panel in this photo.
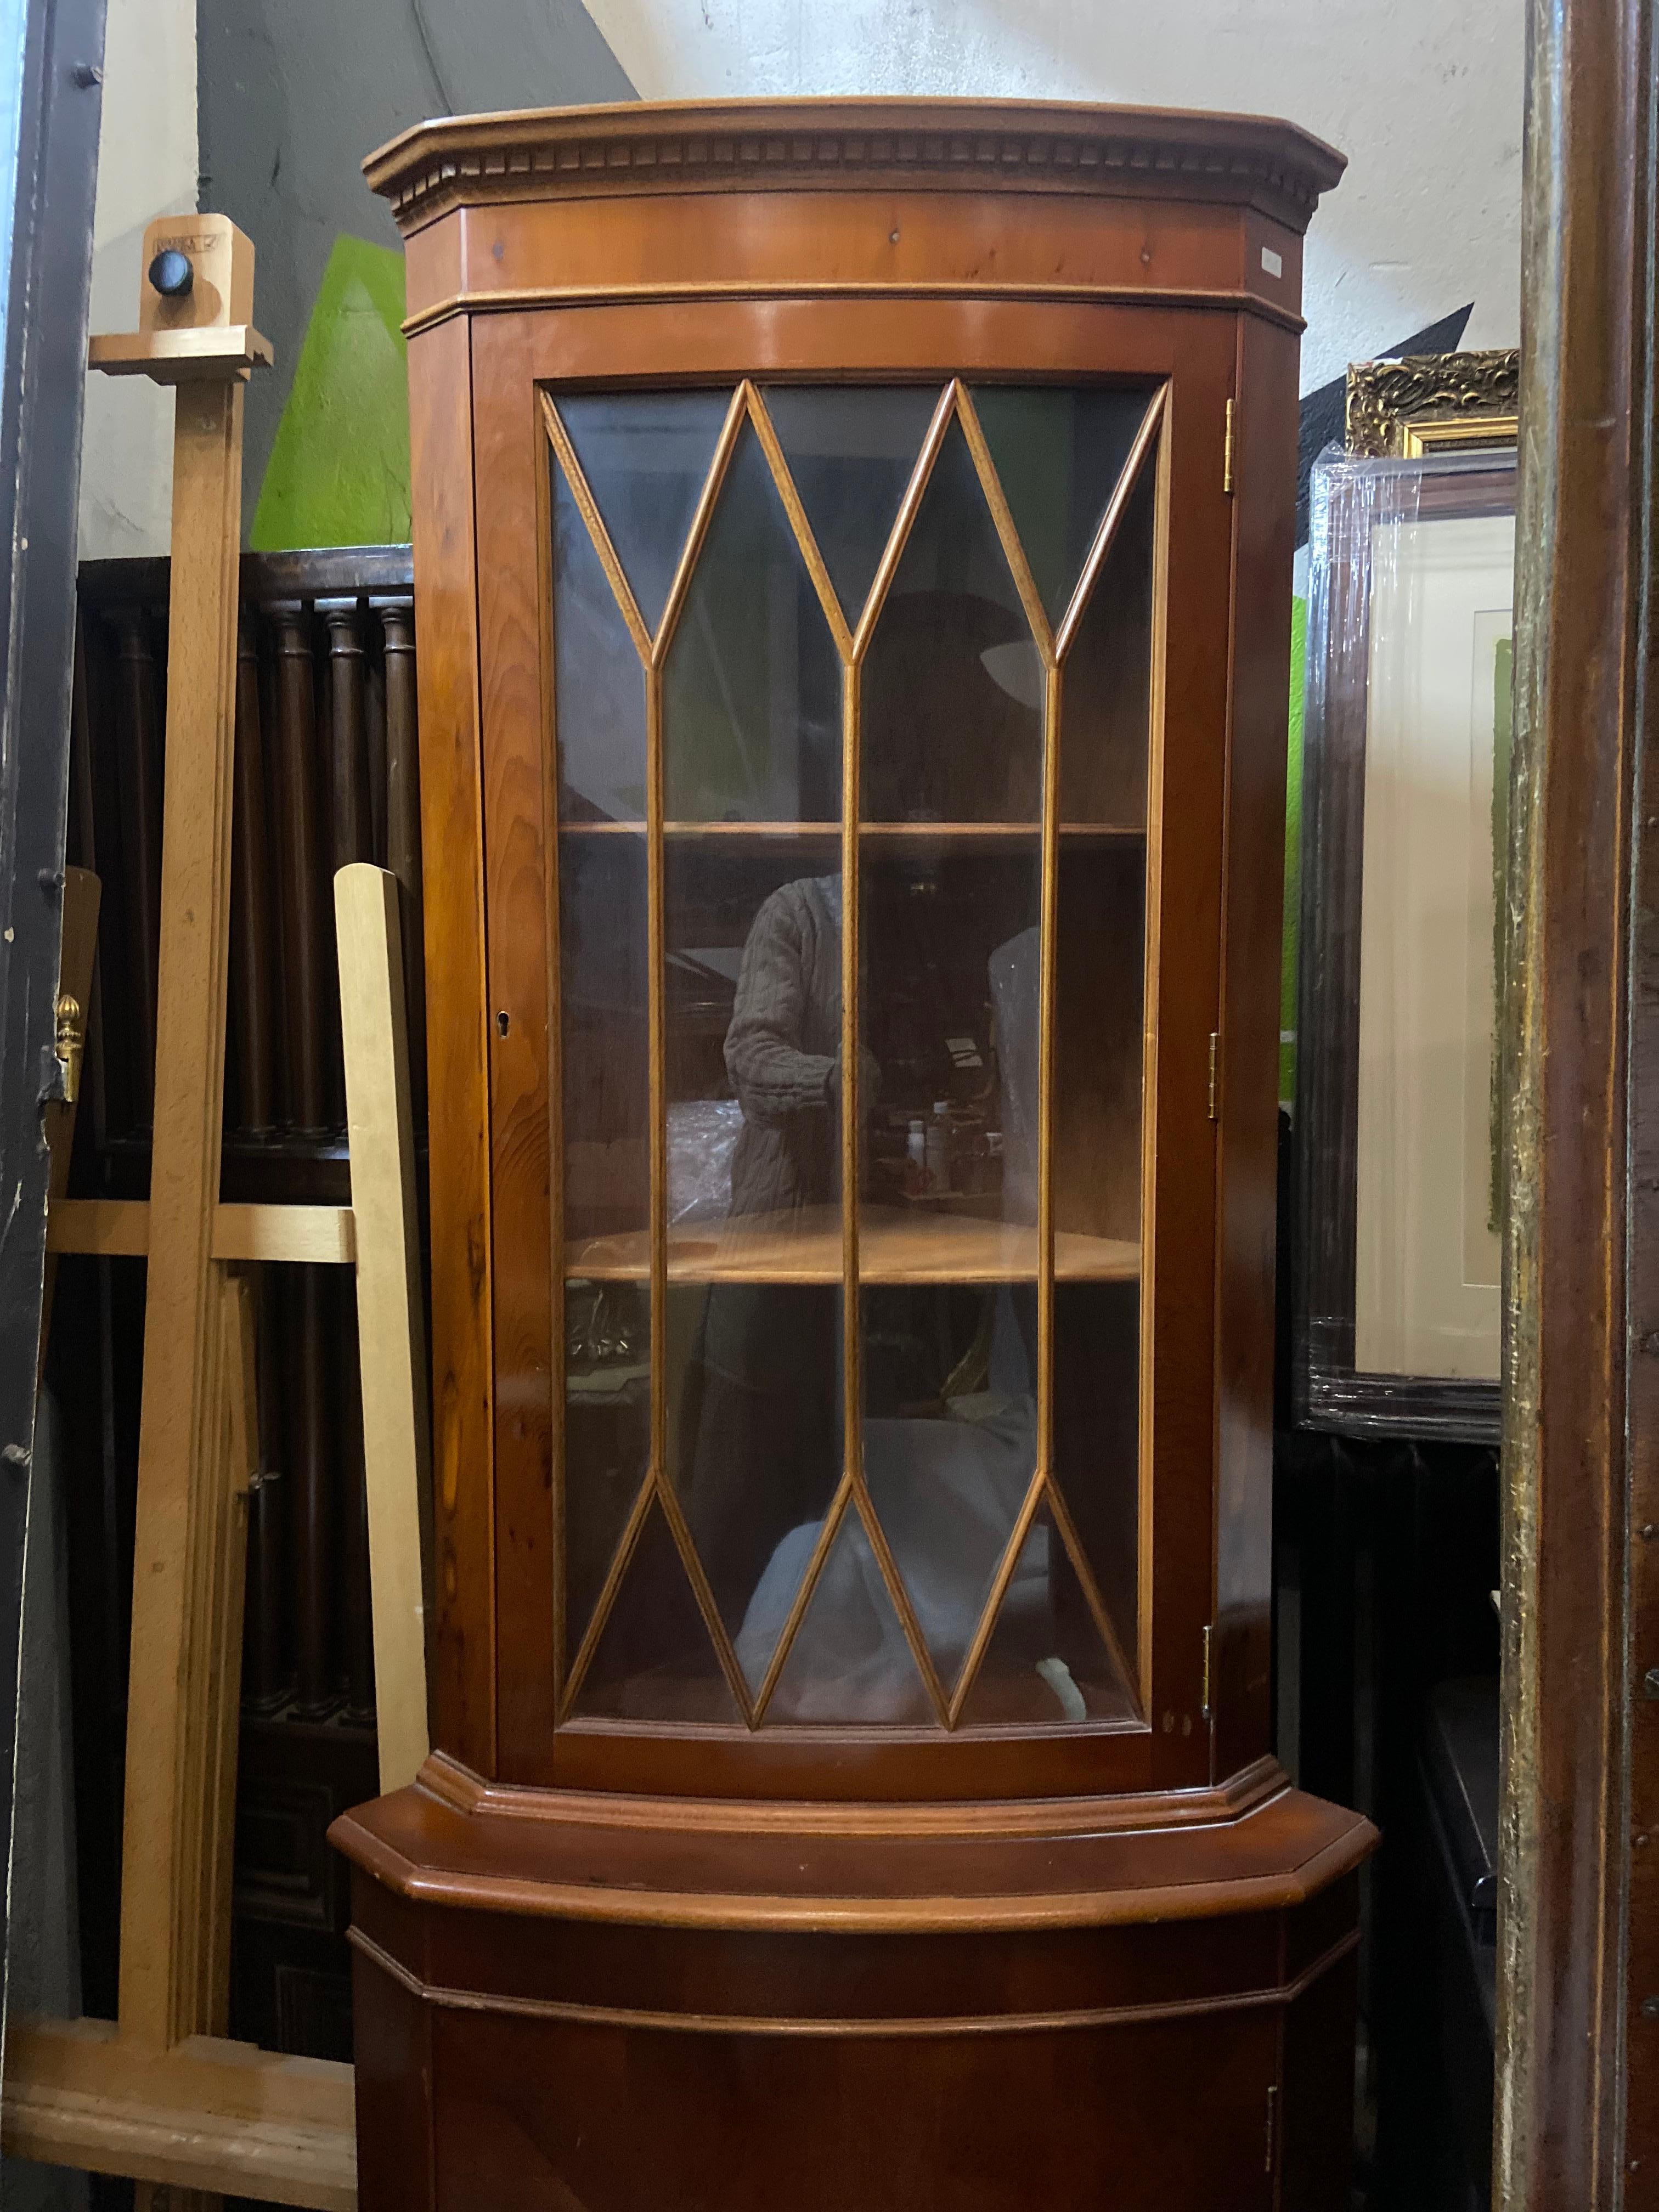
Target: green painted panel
(339, 472)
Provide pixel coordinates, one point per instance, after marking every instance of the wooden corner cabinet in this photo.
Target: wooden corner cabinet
(853, 552)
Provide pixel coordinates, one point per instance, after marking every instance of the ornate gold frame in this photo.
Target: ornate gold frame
(1433, 402)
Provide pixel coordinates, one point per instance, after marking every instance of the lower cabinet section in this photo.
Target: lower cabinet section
(517, 2048)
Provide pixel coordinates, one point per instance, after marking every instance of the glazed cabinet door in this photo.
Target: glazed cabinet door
(852, 710)
(851, 733)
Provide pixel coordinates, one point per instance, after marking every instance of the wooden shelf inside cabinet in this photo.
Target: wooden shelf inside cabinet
(894, 1247)
(882, 833)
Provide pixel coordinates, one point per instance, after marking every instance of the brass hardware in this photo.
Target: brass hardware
(1206, 1671)
(1227, 453)
(1215, 1074)
(70, 1044)
(1273, 2126)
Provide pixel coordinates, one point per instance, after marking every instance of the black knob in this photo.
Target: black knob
(172, 274)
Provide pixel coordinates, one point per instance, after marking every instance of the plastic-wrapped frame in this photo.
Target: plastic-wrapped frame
(1404, 809)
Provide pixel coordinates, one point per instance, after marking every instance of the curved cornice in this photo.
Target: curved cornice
(1046, 146)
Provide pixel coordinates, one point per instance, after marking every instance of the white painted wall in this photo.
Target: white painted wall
(1424, 96)
(146, 167)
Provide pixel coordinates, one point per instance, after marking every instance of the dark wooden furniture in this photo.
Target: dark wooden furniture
(852, 549)
(325, 768)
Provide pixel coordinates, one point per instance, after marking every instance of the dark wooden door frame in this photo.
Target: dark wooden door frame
(52, 89)
(1577, 2119)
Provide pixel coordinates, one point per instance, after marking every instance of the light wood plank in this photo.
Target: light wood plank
(210, 2115)
(209, 353)
(184, 1498)
(391, 1316)
(313, 1235)
(119, 1228)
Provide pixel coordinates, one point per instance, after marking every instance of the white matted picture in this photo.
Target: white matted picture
(1398, 1290)
(1427, 1245)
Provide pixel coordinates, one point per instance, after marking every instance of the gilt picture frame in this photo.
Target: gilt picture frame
(1397, 1278)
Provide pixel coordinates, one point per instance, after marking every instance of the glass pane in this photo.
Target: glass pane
(1099, 1061)
(849, 1662)
(1097, 1438)
(599, 682)
(950, 1442)
(952, 692)
(755, 1442)
(645, 456)
(753, 991)
(851, 451)
(1058, 454)
(1108, 678)
(950, 1014)
(1047, 1661)
(604, 1056)
(607, 1433)
(655, 1659)
(751, 692)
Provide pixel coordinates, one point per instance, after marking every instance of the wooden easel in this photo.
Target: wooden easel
(162, 2095)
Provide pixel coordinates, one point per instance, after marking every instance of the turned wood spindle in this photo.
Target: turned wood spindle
(266, 1675)
(359, 1637)
(139, 754)
(403, 842)
(250, 910)
(306, 941)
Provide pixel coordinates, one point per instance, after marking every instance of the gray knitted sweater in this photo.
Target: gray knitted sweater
(781, 1050)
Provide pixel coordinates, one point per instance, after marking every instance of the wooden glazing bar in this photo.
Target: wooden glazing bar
(620, 1560)
(902, 524)
(139, 755)
(251, 1009)
(1003, 521)
(803, 1598)
(587, 507)
(724, 447)
(1117, 506)
(829, 598)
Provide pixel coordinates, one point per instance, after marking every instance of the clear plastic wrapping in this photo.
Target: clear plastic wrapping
(1397, 1287)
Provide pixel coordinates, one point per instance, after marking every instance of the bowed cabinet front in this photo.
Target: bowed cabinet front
(853, 548)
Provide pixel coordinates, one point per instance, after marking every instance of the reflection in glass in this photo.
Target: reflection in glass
(607, 1433)
(849, 1662)
(753, 989)
(851, 451)
(1097, 1437)
(952, 693)
(645, 457)
(1047, 1661)
(599, 682)
(950, 1442)
(604, 1013)
(752, 694)
(949, 1018)
(654, 1660)
(1059, 452)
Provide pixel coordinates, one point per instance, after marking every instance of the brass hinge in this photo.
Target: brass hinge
(1206, 1671)
(1227, 453)
(1215, 1073)
(1273, 2126)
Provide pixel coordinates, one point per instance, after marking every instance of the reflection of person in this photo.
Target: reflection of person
(782, 1050)
(760, 1421)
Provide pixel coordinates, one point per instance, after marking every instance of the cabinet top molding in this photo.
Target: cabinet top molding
(828, 145)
